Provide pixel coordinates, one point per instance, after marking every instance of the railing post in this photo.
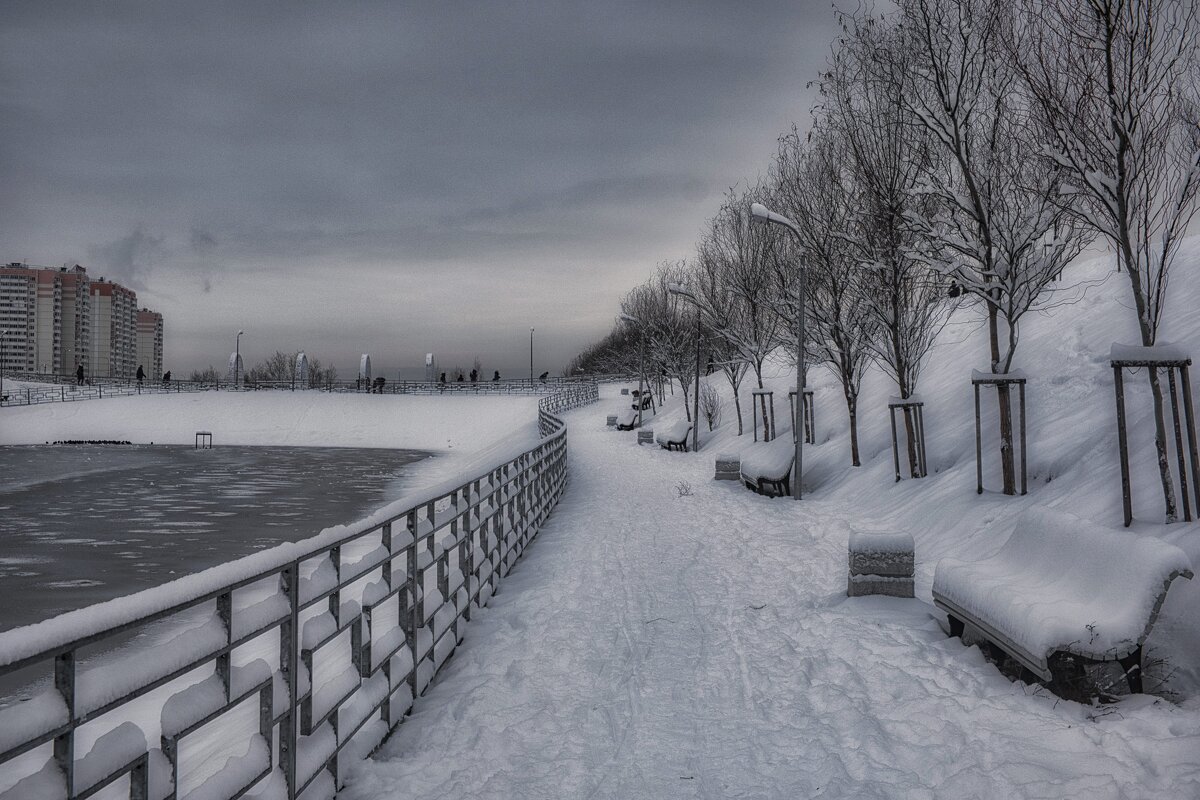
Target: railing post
(64, 745)
(415, 600)
(225, 614)
(289, 640)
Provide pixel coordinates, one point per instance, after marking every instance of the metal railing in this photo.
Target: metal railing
(364, 616)
(58, 389)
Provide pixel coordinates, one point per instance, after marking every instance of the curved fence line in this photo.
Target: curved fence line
(57, 389)
(322, 645)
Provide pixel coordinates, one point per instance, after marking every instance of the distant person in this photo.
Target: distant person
(495, 375)
(167, 376)
(79, 375)
(544, 375)
(474, 375)
(459, 379)
(141, 375)
(442, 378)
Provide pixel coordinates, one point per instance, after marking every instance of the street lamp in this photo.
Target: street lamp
(632, 320)
(676, 289)
(3, 336)
(237, 357)
(761, 214)
(531, 358)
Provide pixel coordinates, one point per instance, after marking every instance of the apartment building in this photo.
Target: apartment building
(113, 311)
(150, 342)
(76, 321)
(18, 318)
(52, 321)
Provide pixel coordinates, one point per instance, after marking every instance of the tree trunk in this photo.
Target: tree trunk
(1004, 402)
(737, 404)
(852, 413)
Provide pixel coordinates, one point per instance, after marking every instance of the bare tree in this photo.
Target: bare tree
(736, 288)
(669, 323)
(810, 186)
(997, 223)
(710, 405)
(888, 156)
(207, 375)
(1114, 84)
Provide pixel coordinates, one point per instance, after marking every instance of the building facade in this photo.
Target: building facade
(114, 330)
(150, 343)
(76, 321)
(53, 321)
(18, 318)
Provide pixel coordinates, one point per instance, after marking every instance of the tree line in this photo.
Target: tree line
(961, 152)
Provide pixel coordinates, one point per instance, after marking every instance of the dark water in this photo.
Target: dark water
(84, 523)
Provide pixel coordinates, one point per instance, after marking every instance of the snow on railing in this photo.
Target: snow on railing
(279, 667)
(61, 390)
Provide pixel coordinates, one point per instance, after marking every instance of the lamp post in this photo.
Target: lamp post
(237, 357)
(761, 214)
(641, 359)
(3, 337)
(676, 289)
(531, 358)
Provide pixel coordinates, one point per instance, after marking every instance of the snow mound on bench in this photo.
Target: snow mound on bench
(771, 460)
(675, 432)
(1061, 583)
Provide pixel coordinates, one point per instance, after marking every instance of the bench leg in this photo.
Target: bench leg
(1132, 664)
(956, 626)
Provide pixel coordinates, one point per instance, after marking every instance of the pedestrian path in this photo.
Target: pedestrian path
(671, 636)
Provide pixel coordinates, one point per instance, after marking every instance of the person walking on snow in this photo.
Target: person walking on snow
(141, 374)
(79, 375)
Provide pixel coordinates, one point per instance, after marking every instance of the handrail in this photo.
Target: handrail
(384, 601)
(58, 389)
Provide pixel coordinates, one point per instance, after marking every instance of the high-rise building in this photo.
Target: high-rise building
(18, 317)
(52, 321)
(150, 342)
(76, 322)
(47, 337)
(113, 330)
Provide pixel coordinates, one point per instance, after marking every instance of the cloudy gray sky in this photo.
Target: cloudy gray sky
(391, 178)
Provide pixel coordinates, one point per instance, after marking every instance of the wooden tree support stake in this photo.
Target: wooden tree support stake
(1159, 357)
(1017, 378)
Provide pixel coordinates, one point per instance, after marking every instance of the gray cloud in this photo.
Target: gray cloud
(129, 260)
(425, 174)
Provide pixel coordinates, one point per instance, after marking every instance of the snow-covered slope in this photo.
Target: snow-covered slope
(1073, 455)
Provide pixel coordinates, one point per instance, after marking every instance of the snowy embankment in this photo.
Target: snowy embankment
(672, 636)
(459, 429)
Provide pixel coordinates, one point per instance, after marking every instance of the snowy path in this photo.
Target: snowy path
(653, 645)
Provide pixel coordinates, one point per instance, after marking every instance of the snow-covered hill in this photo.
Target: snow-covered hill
(1073, 455)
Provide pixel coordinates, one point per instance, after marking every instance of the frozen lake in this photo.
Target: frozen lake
(84, 523)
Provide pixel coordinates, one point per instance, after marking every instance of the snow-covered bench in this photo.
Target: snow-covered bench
(768, 466)
(627, 420)
(1063, 585)
(675, 435)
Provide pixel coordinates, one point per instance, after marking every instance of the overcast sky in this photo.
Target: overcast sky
(390, 178)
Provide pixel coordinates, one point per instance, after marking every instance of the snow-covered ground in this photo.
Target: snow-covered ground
(456, 428)
(656, 643)
(672, 636)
